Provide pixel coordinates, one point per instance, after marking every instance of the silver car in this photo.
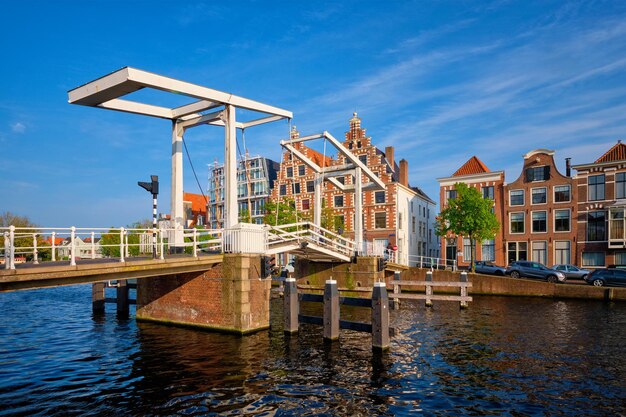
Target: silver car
(571, 271)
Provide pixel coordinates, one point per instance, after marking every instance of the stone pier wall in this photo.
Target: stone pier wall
(361, 274)
(230, 297)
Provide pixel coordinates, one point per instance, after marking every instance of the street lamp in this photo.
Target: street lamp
(153, 188)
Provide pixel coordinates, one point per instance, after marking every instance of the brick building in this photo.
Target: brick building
(601, 209)
(475, 174)
(399, 214)
(540, 212)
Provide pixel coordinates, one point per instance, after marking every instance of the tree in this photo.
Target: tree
(281, 212)
(23, 237)
(468, 215)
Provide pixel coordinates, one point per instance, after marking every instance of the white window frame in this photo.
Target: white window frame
(545, 193)
(569, 252)
(532, 228)
(554, 193)
(524, 225)
(569, 210)
(523, 198)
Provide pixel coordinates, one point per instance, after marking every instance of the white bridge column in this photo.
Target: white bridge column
(358, 210)
(177, 185)
(317, 213)
(231, 212)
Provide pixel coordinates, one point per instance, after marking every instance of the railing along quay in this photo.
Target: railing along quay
(429, 284)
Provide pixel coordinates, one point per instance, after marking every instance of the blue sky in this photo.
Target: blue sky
(441, 81)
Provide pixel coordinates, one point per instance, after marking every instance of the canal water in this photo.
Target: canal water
(501, 357)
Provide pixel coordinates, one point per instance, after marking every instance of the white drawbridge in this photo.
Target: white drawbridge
(309, 241)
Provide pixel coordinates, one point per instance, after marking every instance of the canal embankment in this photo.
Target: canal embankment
(507, 286)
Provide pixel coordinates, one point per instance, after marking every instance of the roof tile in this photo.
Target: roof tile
(472, 166)
(616, 153)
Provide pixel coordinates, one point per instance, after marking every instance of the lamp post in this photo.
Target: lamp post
(153, 188)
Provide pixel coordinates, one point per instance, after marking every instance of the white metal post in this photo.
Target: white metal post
(93, 245)
(317, 212)
(54, 256)
(122, 245)
(35, 257)
(195, 242)
(126, 245)
(230, 168)
(162, 246)
(12, 242)
(177, 185)
(72, 247)
(358, 210)
(7, 263)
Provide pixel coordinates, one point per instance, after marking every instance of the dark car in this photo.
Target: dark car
(607, 277)
(485, 267)
(529, 269)
(571, 271)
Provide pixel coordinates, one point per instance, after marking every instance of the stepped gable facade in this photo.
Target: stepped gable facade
(475, 174)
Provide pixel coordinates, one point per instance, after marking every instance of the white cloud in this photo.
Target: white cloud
(18, 127)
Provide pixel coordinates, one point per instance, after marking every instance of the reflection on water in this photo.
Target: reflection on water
(502, 356)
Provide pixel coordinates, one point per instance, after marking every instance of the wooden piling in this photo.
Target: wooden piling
(122, 299)
(380, 317)
(290, 306)
(429, 289)
(97, 297)
(463, 289)
(331, 310)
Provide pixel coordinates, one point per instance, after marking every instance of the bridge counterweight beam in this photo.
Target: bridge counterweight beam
(230, 168)
(358, 210)
(177, 185)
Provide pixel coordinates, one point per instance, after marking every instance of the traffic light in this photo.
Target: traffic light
(382, 264)
(267, 266)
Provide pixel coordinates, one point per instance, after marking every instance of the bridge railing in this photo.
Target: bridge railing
(309, 232)
(432, 262)
(35, 244)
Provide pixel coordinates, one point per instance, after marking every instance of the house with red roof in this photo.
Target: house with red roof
(602, 208)
(195, 209)
(475, 174)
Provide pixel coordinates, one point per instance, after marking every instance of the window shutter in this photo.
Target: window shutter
(546, 172)
(529, 175)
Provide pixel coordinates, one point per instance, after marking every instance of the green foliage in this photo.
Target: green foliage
(468, 215)
(244, 216)
(110, 243)
(200, 239)
(286, 210)
(24, 237)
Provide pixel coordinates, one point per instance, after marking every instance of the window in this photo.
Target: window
(540, 251)
(517, 251)
(450, 194)
(338, 201)
(539, 195)
(620, 185)
(488, 250)
(488, 192)
(596, 226)
(283, 189)
(620, 258)
(593, 258)
(380, 220)
(561, 220)
(595, 184)
(296, 188)
(467, 249)
(561, 193)
(363, 158)
(516, 197)
(301, 170)
(517, 222)
(306, 204)
(310, 186)
(537, 174)
(562, 251)
(539, 221)
(289, 172)
(413, 224)
(379, 197)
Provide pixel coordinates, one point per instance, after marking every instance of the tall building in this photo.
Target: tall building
(474, 173)
(255, 176)
(398, 215)
(540, 210)
(601, 209)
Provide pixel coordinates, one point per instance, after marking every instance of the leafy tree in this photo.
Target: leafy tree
(468, 215)
(244, 216)
(286, 210)
(23, 237)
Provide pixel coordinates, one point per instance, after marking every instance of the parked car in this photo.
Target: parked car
(485, 267)
(607, 277)
(571, 271)
(531, 269)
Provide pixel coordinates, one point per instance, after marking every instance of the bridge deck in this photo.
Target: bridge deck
(53, 274)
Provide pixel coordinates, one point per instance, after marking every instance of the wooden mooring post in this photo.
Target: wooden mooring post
(463, 284)
(331, 321)
(122, 297)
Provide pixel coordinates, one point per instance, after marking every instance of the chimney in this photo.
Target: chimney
(389, 156)
(404, 172)
(568, 167)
